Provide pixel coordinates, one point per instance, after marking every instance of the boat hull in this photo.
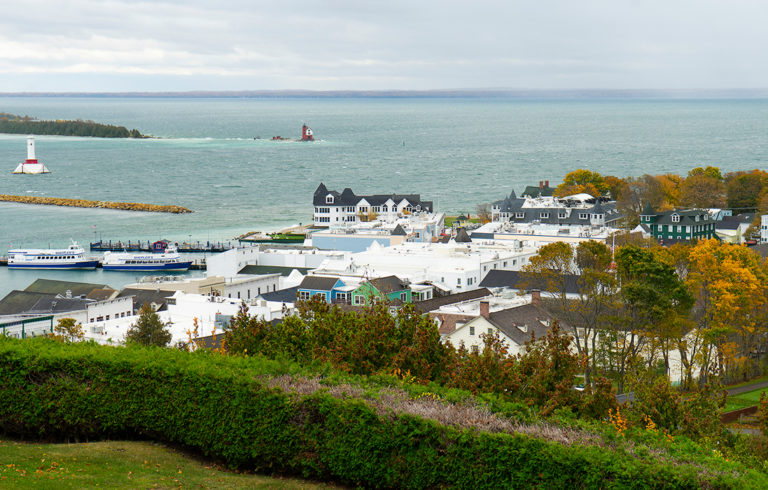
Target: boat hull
(177, 266)
(85, 264)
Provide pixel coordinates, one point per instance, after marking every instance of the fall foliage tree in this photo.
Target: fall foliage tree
(729, 284)
(68, 330)
(582, 181)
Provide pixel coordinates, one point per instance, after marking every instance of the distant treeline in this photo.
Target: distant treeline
(15, 124)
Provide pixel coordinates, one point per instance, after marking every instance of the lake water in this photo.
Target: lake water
(457, 152)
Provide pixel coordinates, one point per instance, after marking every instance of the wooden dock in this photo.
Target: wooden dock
(140, 246)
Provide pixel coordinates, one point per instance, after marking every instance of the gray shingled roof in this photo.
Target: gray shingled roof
(52, 286)
(272, 269)
(398, 231)
(462, 236)
(520, 322)
(435, 303)
(318, 283)
(687, 217)
(282, 296)
(349, 198)
(389, 284)
(142, 296)
(50, 305)
(17, 301)
(514, 206)
(518, 280)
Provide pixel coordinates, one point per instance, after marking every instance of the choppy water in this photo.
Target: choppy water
(457, 152)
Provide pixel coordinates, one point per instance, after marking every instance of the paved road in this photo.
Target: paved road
(744, 389)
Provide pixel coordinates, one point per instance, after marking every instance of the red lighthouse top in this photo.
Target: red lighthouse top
(306, 133)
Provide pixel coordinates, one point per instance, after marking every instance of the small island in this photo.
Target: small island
(15, 124)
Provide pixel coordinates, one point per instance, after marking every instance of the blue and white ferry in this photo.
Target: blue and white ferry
(168, 260)
(72, 257)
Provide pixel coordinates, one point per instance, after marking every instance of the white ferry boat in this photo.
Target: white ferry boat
(72, 257)
(168, 260)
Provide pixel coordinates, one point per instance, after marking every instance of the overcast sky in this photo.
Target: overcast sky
(123, 45)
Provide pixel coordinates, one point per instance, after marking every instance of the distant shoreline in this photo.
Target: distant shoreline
(754, 93)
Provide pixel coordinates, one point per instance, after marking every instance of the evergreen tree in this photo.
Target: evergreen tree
(149, 329)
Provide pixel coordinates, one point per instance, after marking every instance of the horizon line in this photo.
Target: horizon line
(465, 92)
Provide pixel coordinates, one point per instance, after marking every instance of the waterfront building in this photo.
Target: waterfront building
(678, 224)
(540, 206)
(333, 208)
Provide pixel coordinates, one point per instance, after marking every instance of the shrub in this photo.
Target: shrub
(222, 407)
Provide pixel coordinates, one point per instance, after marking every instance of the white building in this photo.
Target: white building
(238, 287)
(334, 208)
(452, 267)
(764, 228)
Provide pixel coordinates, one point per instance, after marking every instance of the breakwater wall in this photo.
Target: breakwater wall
(85, 203)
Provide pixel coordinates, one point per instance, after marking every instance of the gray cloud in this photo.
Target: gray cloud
(184, 45)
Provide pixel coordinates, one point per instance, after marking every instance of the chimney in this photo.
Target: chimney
(535, 297)
(546, 183)
(541, 184)
(485, 309)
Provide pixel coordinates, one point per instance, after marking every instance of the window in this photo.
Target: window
(675, 218)
(505, 263)
(249, 294)
(304, 295)
(562, 215)
(458, 281)
(471, 330)
(519, 215)
(107, 317)
(544, 215)
(328, 199)
(358, 299)
(583, 215)
(403, 296)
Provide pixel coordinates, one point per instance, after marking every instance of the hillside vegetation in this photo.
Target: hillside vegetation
(275, 416)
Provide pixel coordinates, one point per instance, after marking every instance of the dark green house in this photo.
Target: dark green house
(686, 224)
(390, 288)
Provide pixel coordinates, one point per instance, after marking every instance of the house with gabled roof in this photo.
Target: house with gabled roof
(389, 288)
(334, 208)
(331, 289)
(539, 206)
(514, 326)
(678, 224)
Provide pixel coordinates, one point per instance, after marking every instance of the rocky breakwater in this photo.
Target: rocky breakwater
(85, 203)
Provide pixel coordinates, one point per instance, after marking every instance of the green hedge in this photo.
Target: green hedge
(217, 405)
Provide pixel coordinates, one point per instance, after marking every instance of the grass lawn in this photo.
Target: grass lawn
(120, 464)
(744, 400)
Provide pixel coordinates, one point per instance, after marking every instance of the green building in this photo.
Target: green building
(389, 288)
(687, 224)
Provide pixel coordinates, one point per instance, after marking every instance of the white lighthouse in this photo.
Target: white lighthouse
(31, 165)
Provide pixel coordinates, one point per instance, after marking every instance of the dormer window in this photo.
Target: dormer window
(544, 215)
(520, 215)
(562, 215)
(328, 199)
(697, 218)
(675, 218)
(583, 216)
